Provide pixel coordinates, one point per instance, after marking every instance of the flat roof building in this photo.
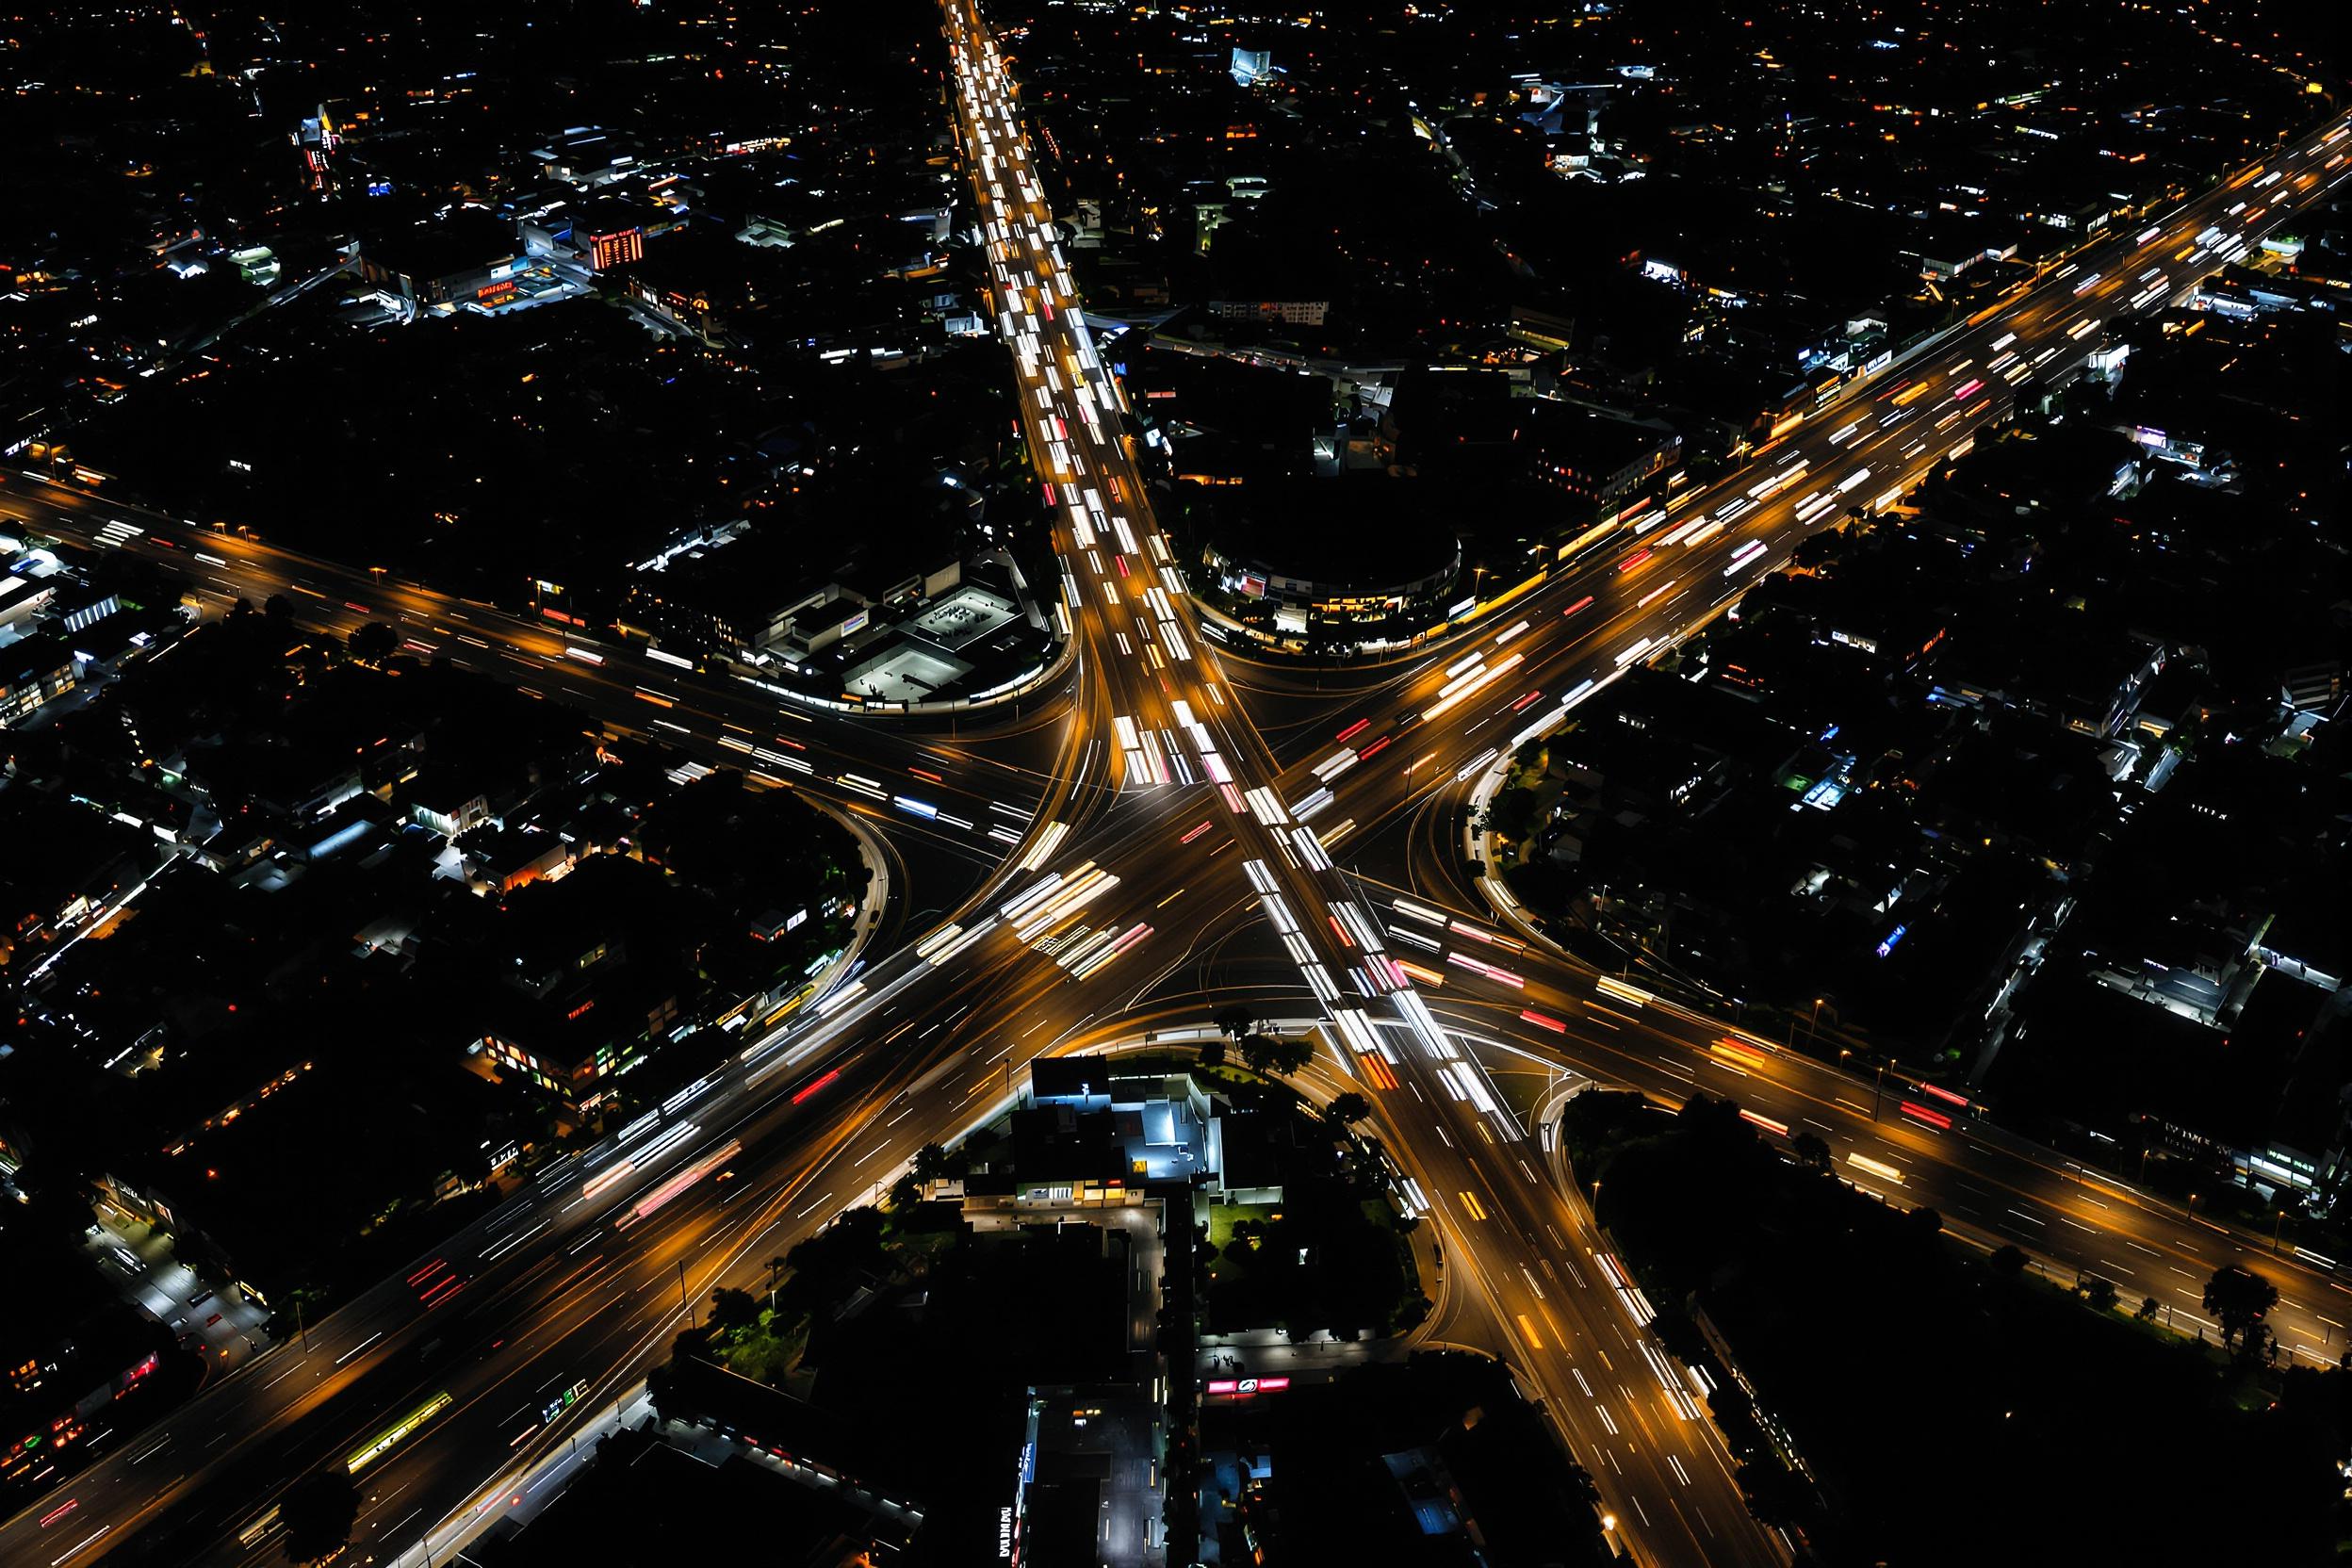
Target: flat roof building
(33, 670)
(1597, 456)
(1355, 546)
(470, 258)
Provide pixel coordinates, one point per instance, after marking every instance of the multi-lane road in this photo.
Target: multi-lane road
(1130, 859)
(1180, 734)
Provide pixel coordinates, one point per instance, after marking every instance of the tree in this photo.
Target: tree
(905, 1194)
(1289, 1055)
(373, 643)
(935, 1164)
(2237, 1298)
(2148, 1308)
(2099, 1293)
(1234, 1019)
(1775, 1494)
(1512, 814)
(1816, 551)
(2007, 1261)
(1213, 1052)
(1347, 1108)
(732, 1309)
(1921, 1226)
(829, 1265)
(318, 1512)
(1811, 1151)
(1271, 1054)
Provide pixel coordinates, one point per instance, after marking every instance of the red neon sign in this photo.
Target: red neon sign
(1242, 1388)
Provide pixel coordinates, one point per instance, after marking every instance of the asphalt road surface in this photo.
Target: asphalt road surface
(1124, 861)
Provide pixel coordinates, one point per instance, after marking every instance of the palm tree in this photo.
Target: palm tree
(931, 1164)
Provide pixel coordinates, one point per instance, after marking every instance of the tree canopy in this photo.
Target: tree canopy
(1271, 1053)
(318, 1512)
(2238, 1299)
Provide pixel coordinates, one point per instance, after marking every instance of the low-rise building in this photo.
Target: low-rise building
(1300, 312)
(1356, 548)
(1600, 458)
(471, 259)
(734, 599)
(34, 670)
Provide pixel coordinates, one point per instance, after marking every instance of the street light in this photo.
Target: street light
(1878, 1089)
